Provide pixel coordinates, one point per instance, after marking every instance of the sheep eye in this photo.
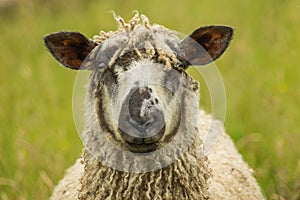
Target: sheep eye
(180, 67)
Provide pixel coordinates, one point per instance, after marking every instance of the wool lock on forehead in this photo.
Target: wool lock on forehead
(136, 40)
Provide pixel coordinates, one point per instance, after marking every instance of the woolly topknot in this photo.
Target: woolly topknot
(137, 20)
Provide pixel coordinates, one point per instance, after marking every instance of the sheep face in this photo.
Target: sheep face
(139, 101)
(138, 82)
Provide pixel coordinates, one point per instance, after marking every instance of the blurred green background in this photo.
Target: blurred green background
(261, 71)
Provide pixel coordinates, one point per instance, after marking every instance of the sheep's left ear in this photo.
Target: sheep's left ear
(206, 44)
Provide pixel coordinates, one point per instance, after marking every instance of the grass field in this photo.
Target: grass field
(261, 72)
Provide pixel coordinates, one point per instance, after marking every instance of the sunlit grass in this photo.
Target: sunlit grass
(260, 71)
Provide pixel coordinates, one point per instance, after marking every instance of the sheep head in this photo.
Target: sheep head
(139, 92)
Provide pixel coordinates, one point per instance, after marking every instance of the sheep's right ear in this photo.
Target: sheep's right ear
(69, 48)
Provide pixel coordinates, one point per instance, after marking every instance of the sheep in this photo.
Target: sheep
(144, 130)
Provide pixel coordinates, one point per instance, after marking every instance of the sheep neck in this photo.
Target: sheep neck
(180, 180)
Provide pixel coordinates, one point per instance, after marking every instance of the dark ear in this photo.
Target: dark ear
(206, 44)
(69, 48)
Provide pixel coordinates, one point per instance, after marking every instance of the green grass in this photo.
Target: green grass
(260, 70)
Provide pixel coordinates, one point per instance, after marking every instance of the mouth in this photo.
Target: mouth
(141, 144)
(142, 147)
(142, 141)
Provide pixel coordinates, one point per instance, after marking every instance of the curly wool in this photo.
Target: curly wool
(137, 36)
(181, 180)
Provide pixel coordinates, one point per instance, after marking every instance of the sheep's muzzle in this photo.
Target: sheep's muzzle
(141, 122)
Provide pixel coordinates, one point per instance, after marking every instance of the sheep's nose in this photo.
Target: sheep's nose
(147, 133)
(140, 121)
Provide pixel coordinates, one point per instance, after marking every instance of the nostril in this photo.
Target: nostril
(147, 124)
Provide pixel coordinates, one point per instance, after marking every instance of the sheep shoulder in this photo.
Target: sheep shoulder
(231, 175)
(69, 186)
